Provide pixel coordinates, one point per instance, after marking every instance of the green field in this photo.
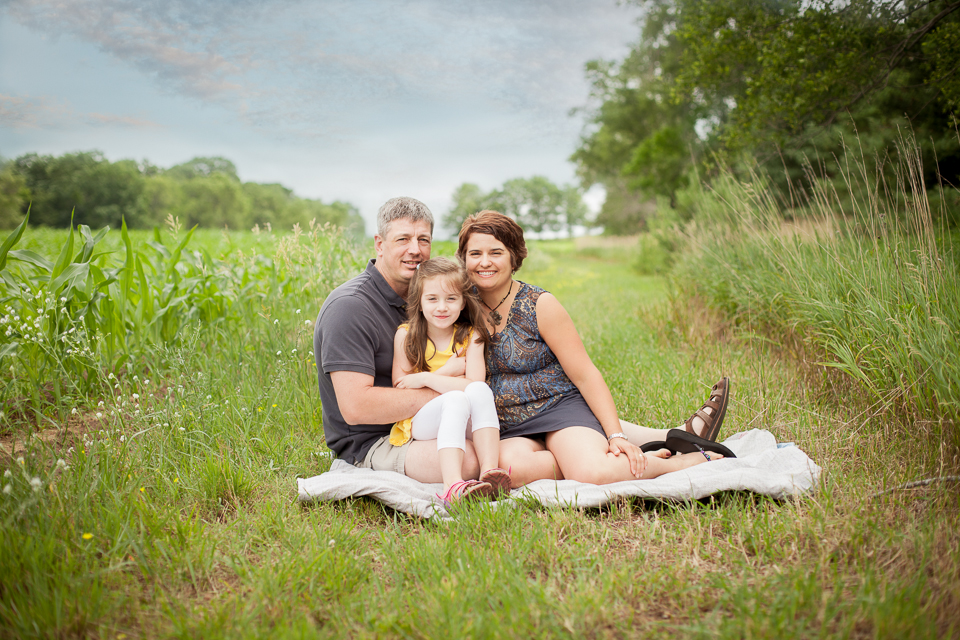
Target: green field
(170, 509)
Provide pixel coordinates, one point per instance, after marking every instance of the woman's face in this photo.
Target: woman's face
(488, 262)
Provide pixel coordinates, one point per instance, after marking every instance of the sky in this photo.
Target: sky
(354, 100)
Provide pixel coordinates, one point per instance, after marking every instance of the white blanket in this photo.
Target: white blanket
(761, 466)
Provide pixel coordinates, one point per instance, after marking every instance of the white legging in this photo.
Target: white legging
(452, 417)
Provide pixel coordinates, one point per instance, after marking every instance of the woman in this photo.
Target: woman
(557, 416)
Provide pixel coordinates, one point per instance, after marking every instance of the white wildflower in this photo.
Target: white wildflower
(298, 311)
(36, 483)
(61, 463)
(7, 488)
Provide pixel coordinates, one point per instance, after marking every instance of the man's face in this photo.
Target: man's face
(405, 246)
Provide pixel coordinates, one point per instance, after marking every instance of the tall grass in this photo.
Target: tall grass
(865, 284)
(172, 513)
(68, 324)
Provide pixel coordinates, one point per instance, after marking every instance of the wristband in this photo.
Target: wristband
(616, 435)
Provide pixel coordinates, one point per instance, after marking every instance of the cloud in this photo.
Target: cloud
(28, 113)
(323, 69)
(25, 112)
(170, 41)
(112, 119)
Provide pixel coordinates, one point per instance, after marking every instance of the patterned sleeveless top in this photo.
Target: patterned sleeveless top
(523, 373)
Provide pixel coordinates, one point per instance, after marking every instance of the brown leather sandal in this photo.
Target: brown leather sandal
(719, 398)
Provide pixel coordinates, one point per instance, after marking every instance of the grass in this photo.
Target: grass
(181, 520)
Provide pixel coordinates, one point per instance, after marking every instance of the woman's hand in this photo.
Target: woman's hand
(638, 462)
(412, 381)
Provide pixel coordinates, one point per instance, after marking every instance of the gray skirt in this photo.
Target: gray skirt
(570, 411)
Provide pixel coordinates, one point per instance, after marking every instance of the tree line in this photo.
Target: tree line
(771, 86)
(537, 204)
(206, 192)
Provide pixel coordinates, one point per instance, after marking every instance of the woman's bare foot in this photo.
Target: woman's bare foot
(657, 465)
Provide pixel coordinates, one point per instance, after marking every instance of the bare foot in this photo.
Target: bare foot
(657, 466)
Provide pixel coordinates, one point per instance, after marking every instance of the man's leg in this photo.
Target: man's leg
(423, 462)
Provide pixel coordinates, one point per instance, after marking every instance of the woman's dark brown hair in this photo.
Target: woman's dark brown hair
(452, 271)
(501, 227)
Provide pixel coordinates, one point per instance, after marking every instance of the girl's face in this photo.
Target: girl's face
(440, 302)
(488, 262)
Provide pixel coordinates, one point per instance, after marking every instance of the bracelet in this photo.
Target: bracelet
(619, 434)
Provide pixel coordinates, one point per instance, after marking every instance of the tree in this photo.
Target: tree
(784, 64)
(14, 195)
(468, 199)
(162, 197)
(98, 191)
(217, 201)
(639, 140)
(536, 203)
(778, 83)
(201, 167)
(203, 191)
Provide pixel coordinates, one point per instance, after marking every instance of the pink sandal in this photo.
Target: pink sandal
(467, 490)
(499, 478)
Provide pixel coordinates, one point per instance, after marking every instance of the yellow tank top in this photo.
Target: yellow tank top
(401, 430)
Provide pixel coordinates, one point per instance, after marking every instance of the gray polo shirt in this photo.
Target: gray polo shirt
(354, 332)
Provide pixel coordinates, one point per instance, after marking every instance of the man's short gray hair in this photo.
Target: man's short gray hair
(402, 208)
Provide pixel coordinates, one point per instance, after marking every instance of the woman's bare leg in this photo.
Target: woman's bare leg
(642, 435)
(528, 460)
(581, 454)
(657, 465)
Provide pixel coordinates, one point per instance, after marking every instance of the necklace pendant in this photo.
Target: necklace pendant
(495, 317)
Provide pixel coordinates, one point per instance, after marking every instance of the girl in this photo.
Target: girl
(444, 320)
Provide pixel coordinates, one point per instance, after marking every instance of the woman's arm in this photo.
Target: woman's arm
(476, 370)
(558, 331)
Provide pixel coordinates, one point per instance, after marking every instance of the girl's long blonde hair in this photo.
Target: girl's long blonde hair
(415, 344)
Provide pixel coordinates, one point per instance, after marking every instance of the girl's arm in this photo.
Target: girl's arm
(437, 382)
(400, 363)
(558, 331)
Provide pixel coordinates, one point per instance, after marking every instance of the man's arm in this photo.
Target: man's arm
(362, 403)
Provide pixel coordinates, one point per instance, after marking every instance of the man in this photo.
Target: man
(353, 343)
